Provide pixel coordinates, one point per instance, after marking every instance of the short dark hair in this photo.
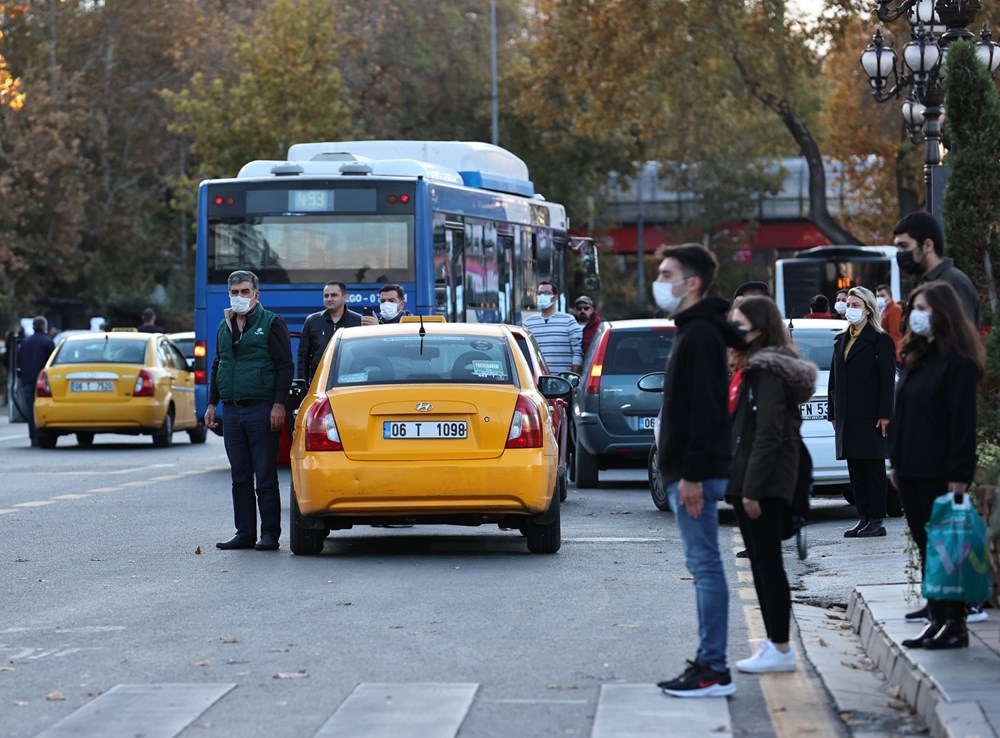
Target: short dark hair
(335, 283)
(819, 304)
(920, 226)
(149, 314)
(389, 287)
(695, 261)
(751, 289)
(885, 287)
(550, 283)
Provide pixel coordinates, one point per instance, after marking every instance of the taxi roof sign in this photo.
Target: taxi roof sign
(422, 319)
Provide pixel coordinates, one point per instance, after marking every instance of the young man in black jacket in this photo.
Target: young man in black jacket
(694, 450)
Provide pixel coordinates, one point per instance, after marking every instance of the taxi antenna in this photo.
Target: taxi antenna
(422, 332)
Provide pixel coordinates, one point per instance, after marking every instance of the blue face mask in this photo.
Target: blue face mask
(239, 304)
(920, 322)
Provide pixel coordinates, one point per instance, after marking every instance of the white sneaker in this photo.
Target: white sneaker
(976, 614)
(768, 659)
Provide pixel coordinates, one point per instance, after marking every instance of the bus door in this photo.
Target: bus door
(449, 270)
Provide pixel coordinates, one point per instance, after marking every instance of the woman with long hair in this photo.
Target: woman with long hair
(862, 378)
(769, 382)
(933, 444)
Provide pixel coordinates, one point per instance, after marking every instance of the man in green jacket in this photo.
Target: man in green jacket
(251, 375)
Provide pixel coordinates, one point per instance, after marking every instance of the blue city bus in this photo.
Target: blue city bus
(458, 225)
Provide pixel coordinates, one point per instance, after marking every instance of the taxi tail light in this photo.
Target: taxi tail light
(593, 385)
(42, 388)
(144, 386)
(321, 428)
(200, 361)
(526, 426)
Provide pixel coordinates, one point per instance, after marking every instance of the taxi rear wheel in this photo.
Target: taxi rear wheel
(85, 439)
(165, 436)
(198, 434)
(562, 486)
(657, 489)
(303, 541)
(46, 438)
(546, 538)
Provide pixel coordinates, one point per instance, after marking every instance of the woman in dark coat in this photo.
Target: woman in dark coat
(862, 378)
(769, 382)
(933, 439)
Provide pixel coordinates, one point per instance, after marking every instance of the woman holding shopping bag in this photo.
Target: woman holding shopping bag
(933, 432)
(769, 382)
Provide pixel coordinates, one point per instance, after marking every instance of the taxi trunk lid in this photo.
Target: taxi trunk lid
(109, 384)
(436, 423)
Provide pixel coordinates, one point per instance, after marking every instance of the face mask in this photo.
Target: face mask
(546, 301)
(666, 300)
(388, 310)
(881, 301)
(840, 307)
(920, 322)
(239, 304)
(907, 263)
(854, 315)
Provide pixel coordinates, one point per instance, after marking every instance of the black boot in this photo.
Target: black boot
(935, 621)
(853, 532)
(954, 634)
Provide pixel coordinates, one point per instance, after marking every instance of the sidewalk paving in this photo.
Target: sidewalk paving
(956, 692)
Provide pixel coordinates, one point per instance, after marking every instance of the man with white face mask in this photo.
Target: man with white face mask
(251, 376)
(559, 335)
(693, 450)
(392, 303)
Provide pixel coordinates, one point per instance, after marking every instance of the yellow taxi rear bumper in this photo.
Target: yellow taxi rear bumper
(137, 413)
(520, 481)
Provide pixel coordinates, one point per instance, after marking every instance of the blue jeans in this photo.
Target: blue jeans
(700, 538)
(252, 448)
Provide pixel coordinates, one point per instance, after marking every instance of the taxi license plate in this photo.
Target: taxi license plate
(447, 429)
(92, 386)
(647, 423)
(814, 410)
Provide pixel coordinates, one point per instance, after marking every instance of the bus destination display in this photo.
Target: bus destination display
(329, 200)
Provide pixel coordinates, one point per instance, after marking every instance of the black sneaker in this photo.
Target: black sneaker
(874, 529)
(917, 616)
(975, 614)
(699, 680)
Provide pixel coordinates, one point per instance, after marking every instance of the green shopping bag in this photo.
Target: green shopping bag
(958, 557)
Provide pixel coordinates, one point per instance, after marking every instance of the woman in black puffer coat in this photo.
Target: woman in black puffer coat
(769, 383)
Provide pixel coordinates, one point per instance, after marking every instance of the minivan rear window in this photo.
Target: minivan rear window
(638, 351)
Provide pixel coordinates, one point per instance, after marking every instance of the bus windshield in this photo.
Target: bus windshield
(312, 248)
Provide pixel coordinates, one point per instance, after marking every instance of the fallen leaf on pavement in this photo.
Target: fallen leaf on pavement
(198, 551)
(204, 662)
(20, 703)
(626, 625)
(55, 696)
(229, 639)
(898, 705)
(822, 642)
(300, 674)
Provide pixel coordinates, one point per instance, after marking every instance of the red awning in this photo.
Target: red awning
(794, 235)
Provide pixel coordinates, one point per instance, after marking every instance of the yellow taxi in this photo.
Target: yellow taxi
(425, 422)
(132, 383)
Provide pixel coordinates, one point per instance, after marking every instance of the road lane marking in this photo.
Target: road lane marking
(4, 511)
(149, 710)
(103, 489)
(130, 470)
(612, 539)
(35, 503)
(642, 710)
(70, 497)
(432, 710)
(11, 438)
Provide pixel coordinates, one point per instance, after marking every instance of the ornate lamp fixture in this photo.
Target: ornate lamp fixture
(933, 25)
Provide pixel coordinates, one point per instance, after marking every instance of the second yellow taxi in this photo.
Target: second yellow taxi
(425, 423)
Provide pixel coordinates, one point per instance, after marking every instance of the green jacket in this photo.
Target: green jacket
(246, 369)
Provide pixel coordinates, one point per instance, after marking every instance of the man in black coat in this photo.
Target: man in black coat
(31, 357)
(318, 328)
(694, 449)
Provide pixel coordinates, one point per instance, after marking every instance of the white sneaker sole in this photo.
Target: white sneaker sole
(977, 617)
(716, 690)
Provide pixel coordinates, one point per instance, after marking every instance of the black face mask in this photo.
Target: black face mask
(908, 264)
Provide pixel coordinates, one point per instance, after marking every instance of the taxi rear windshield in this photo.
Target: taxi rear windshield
(431, 359)
(101, 351)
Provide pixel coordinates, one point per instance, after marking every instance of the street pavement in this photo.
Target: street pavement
(853, 650)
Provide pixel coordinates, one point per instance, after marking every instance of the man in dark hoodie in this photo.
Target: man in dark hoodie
(694, 450)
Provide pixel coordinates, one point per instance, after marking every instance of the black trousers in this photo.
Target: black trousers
(762, 538)
(918, 497)
(252, 448)
(870, 487)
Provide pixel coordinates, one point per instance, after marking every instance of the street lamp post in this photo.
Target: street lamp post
(934, 24)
